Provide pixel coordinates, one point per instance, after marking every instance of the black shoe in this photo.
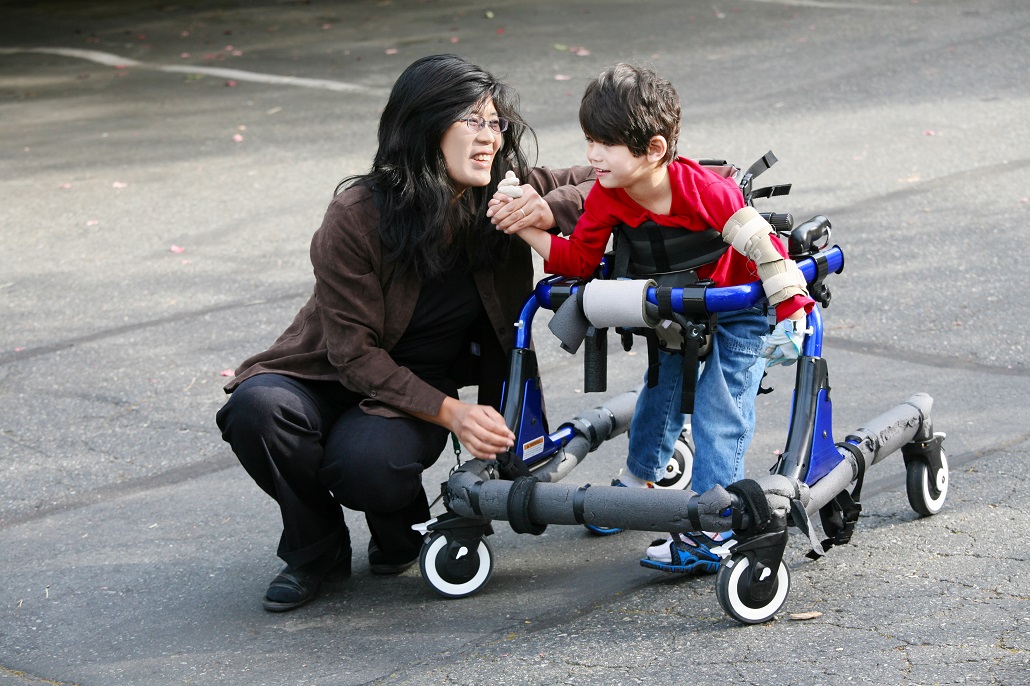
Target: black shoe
(296, 586)
(290, 589)
(389, 563)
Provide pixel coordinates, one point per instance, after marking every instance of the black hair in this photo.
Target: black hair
(629, 105)
(426, 222)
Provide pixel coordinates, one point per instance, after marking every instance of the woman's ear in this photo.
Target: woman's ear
(657, 147)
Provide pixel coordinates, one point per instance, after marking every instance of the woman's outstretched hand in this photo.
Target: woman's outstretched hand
(480, 428)
(528, 211)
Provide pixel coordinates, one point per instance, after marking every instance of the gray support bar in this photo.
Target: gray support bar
(593, 428)
(881, 437)
(473, 492)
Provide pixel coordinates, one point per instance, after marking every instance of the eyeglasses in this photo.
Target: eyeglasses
(499, 125)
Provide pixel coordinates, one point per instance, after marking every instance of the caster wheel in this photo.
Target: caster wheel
(679, 471)
(452, 569)
(745, 600)
(926, 491)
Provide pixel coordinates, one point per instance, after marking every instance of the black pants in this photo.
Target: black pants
(309, 446)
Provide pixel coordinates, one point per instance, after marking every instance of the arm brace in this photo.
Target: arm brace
(750, 235)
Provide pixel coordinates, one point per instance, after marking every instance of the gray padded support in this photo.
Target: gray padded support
(569, 324)
(617, 303)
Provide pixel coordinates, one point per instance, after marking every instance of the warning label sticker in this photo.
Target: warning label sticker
(532, 448)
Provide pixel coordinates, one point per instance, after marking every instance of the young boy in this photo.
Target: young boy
(631, 120)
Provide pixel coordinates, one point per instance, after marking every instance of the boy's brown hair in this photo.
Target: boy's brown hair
(629, 105)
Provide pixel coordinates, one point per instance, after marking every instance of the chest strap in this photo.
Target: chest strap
(651, 249)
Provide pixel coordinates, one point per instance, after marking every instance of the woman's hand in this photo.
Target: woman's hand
(511, 215)
(480, 428)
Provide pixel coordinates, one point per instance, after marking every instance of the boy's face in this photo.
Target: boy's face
(616, 166)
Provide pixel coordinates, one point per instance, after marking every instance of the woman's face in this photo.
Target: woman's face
(468, 154)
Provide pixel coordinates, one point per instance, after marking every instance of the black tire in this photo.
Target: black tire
(926, 492)
(455, 573)
(733, 589)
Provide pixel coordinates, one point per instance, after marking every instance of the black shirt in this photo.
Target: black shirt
(446, 308)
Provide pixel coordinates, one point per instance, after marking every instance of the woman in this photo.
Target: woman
(415, 294)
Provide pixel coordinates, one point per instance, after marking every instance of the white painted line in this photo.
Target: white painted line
(827, 4)
(111, 60)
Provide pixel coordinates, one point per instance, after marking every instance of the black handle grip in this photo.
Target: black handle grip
(782, 222)
(807, 234)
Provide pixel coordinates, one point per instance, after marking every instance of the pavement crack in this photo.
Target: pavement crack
(194, 470)
(57, 346)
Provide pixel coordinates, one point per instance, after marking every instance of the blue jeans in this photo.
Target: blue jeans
(723, 422)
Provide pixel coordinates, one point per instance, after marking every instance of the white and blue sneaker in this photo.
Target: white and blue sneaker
(624, 480)
(693, 553)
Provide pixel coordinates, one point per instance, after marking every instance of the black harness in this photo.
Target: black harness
(663, 253)
(670, 256)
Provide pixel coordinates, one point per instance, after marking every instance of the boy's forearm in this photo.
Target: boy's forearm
(539, 240)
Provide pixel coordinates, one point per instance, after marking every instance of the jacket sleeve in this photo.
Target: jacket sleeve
(346, 257)
(564, 190)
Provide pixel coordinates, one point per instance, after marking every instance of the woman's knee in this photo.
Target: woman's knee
(262, 404)
(377, 465)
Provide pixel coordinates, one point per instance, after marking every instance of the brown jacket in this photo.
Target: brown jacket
(360, 307)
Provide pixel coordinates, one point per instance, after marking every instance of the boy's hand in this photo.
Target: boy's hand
(783, 345)
(529, 211)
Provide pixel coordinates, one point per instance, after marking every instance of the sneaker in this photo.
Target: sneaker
(693, 553)
(630, 482)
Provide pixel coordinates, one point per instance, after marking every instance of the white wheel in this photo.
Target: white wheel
(455, 572)
(734, 589)
(926, 491)
(679, 472)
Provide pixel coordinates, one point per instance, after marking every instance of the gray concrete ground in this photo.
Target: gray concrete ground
(156, 220)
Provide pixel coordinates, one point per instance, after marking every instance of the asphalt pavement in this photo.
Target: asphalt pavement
(162, 168)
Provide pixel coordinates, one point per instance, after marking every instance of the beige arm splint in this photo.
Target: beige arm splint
(750, 234)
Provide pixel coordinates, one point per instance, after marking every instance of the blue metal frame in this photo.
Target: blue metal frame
(811, 461)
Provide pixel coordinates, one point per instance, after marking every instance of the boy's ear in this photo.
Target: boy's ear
(656, 148)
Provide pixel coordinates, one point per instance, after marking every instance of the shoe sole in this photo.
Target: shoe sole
(397, 568)
(276, 606)
(698, 568)
(601, 530)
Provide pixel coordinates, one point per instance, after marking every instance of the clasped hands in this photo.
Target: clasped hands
(514, 207)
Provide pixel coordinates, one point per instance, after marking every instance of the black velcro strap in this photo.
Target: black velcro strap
(757, 505)
(518, 506)
(577, 503)
(762, 164)
(664, 297)
(691, 348)
(653, 363)
(658, 251)
(693, 516)
(510, 466)
(860, 459)
(840, 515)
(474, 498)
(595, 361)
(626, 336)
(620, 267)
(771, 191)
(822, 266)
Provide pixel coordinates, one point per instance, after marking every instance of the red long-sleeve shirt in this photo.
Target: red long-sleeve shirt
(701, 199)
